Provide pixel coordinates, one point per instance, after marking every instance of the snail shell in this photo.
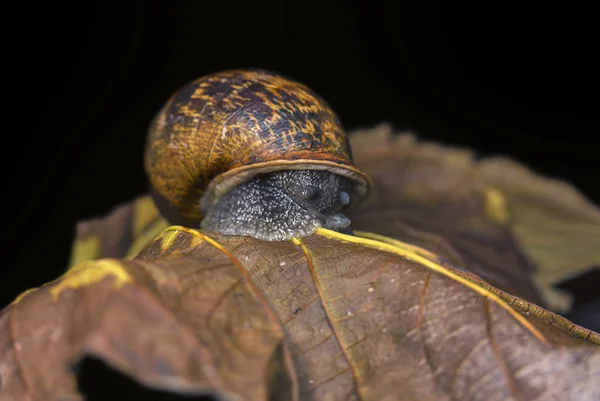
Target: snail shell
(223, 130)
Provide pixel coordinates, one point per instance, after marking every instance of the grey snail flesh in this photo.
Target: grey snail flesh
(282, 205)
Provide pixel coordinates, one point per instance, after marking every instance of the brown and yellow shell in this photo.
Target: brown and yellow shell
(223, 129)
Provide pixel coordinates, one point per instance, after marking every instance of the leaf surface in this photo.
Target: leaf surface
(187, 325)
(520, 231)
(494, 218)
(328, 316)
(430, 300)
(366, 320)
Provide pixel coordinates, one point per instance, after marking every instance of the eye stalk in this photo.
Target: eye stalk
(308, 193)
(344, 198)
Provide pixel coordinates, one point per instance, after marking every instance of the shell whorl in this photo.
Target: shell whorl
(223, 129)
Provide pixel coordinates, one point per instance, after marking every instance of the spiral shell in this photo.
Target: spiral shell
(223, 129)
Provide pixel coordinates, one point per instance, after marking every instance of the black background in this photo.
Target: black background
(84, 81)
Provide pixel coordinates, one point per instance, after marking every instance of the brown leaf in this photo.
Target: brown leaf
(428, 195)
(362, 319)
(555, 225)
(374, 318)
(188, 325)
(491, 216)
(123, 232)
(367, 320)
(488, 217)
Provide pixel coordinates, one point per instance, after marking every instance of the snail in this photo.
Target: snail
(249, 152)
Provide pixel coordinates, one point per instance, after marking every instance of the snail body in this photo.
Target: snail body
(251, 153)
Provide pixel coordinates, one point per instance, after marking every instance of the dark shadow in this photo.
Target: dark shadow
(586, 305)
(99, 382)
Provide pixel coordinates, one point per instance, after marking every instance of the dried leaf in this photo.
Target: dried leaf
(430, 196)
(494, 216)
(368, 320)
(123, 233)
(363, 319)
(555, 225)
(187, 325)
